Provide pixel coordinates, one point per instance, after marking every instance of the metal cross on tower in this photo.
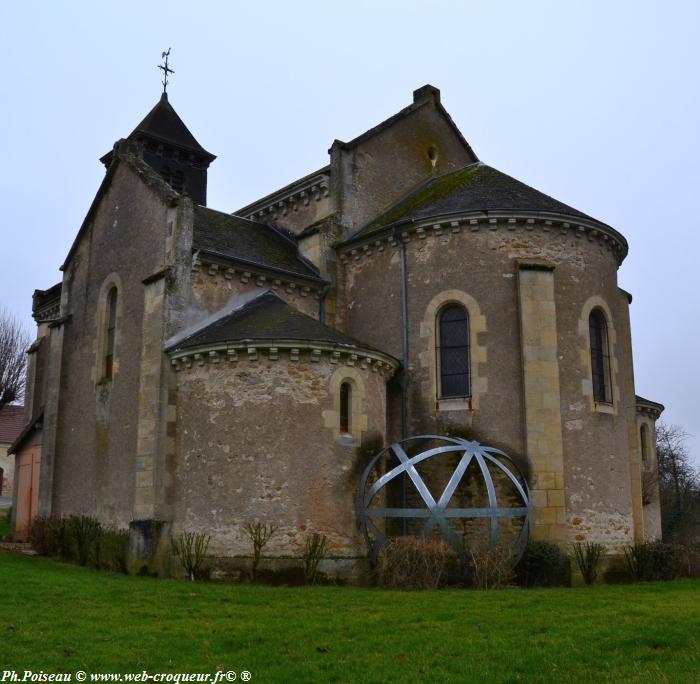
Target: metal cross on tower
(166, 70)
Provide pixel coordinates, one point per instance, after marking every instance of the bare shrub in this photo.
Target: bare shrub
(414, 563)
(492, 567)
(112, 549)
(50, 536)
(314, 553)
(259, 534)
(83, 533)
(191, 549)
(588, 557)
(544, 565)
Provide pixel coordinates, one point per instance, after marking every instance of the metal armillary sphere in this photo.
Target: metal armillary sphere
(436, 509)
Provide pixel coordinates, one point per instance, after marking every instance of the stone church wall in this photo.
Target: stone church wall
(376, 172)
(212, 291)
(98, 419)
(260, 442)
(587, 496)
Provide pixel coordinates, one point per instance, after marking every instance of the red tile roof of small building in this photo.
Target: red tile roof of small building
(11, 423)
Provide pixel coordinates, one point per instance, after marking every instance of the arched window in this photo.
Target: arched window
(644, 439)
(453, 351)
(345, 403)
(110, 332)
(600, 357)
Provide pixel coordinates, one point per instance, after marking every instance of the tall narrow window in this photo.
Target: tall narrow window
(166, 174)
(644, 439)
(345, 398)
(110, 332)
(600, 357)
(453, 351)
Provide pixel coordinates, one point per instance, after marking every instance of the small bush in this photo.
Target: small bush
(588, 557)
(49, 536)
(259, 534)
(669, 561)
(83, 533)
(414, 563)
(639, 559)
(544, 565)
(112, 550)
(491, 567)
(656, 561)
(191, 549)
(314, 553)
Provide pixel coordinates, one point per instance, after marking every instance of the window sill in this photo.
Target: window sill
(454, 404)
(604, 407)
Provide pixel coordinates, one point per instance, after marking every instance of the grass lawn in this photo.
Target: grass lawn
(62, 618)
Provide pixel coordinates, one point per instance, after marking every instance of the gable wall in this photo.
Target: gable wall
(212, 291)
(97, 421)
(377, 172)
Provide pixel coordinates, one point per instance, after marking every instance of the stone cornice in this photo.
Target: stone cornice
(49, 312)
(301, 193)
(364, 245)
(292, 350)
(650, 409)
(221, 266)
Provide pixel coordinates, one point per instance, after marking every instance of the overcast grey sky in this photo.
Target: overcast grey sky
(595, 103)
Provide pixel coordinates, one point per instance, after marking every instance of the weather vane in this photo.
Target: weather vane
(166, 70)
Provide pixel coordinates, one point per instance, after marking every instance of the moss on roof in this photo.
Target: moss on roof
(476, 187)
(239, 238)
(266, 317)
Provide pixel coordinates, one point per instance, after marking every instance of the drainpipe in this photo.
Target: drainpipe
(322, 302)
(404, 358)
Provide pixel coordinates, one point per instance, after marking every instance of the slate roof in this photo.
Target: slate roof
(267, 317)
(476, 187)
(648, 402)
(240, 238)
(11, 423)
(163, 122)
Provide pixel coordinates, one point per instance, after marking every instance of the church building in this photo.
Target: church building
(199, 369)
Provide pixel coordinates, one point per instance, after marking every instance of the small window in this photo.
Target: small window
(110, 332)
(345, 398)
(600, 357)
(178, 181)
(453, 351)
(644, 439)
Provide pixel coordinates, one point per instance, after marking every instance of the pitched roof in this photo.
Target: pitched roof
(239, 238)
(267, 317)
(11, 423)
(476, 187)
(641, 401)
(163, 122)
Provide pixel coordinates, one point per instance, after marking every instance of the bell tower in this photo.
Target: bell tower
(167, 146)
